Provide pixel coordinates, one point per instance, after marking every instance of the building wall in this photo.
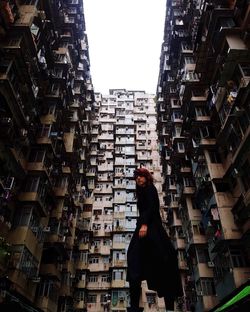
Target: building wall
(203, 127)
(126, 139)
(46, 107)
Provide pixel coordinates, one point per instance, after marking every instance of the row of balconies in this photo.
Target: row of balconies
(21, 104)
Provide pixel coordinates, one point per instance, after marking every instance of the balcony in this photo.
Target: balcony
(196, 239)
(82, 246)
(241, 212)
(42, 166)
(68, 140)
(119, 263)
(79, 304)
(180, 243)
(46, 303)
(62, 57)
(185, 170)
(65, 290)
(188, 190)
(56, 237)
(202, 270)
(61, 191)
(97, 267)
(118, 245)
(236, 52)
(27, 14)
(216, 171)
(48, 119)
(47, 136)
(12, 90)
(206, 142)
(206, 303)
(119, 228)
(19, 158)
(7, 134)
(119, 215)
(232, 279)
(98, 286)
(81, 265)
(225, 203)
(50, 270)
(80, 284)
(37, 197)
(29, 237)
(82, 225)
(118, 284)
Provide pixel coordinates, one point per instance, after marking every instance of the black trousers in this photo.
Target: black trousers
(135, 292)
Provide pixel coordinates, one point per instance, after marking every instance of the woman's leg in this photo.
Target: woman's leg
(169, 303)
(135, 292)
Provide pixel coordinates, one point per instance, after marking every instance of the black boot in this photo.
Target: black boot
(132, 309)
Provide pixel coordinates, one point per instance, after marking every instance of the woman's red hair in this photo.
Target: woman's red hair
(144, 173)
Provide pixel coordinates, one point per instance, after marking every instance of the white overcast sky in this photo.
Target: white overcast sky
(125, 38)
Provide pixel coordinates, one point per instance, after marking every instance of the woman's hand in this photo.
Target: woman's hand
(143, 230)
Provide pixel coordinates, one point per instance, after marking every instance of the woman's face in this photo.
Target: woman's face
(140, 180)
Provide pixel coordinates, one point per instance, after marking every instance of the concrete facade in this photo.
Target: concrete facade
(203, 125)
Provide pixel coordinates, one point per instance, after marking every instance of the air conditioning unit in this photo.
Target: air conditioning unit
(46, 229)
(210, 264)
(199, 293)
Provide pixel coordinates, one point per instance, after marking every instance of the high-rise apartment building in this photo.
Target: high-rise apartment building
(67, 157)
(125, 138)
(203, 106)
(46, 108)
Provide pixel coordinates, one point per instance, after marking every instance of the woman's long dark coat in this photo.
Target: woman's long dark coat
(153, 258)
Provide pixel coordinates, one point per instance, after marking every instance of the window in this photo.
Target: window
(47, 289)
(93, 278)
(151, 298)
(83, 256)
(237, 258)
(188, 182)
(31, 184)
(202, 255)
(200, 111)
(105, 278)
(93, 260)
(25, 261)
(189, 60)
(36, 156)
(44, 131)
(204, 132)
(23, 218)
(181, 147)
(91, 298)
(215, 157)
(79, 295)
(207, 286)
(118, 274)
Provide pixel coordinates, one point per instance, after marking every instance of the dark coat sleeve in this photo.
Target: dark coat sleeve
(150, 205)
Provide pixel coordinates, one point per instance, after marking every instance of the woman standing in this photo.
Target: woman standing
(151, 255)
